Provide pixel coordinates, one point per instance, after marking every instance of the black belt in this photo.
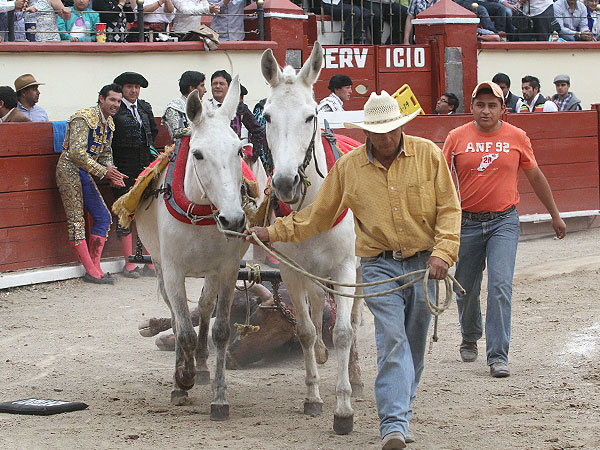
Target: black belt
(397, 255)
(486, 215)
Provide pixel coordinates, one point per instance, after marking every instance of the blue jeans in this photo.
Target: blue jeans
(93, 203)
(401, 324)
(494, 241)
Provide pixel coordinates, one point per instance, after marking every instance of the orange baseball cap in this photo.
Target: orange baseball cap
(496, 90)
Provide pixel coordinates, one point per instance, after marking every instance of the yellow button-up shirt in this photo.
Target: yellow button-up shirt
(410, 207)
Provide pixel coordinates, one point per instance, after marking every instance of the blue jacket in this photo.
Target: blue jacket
(90, 17)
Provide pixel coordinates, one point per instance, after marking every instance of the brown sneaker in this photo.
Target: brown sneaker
(499, 369)
(468, 351)
(393, 441)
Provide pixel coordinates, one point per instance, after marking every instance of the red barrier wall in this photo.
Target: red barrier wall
(33, 229)
(32, 220)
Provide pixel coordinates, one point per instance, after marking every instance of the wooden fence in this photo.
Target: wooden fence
(32, 220)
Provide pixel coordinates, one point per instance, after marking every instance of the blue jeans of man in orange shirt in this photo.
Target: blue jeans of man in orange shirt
(401, 323)
(495, 242)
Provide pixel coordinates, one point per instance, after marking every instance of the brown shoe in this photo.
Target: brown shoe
(499, 369)
(468, 351)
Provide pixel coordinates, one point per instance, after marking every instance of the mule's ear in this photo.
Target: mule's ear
(270, 69)
(193, 107)
(312, 67)
(232, 99)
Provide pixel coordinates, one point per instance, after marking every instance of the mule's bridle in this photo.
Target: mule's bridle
(308, 154)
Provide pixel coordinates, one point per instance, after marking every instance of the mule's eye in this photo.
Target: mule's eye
(267, 118)
(198, 156)
(310, 118)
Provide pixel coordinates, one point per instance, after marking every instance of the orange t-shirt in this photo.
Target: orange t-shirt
(487, 165)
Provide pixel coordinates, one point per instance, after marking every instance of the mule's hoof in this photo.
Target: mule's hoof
(343, 425)
(219, 412)
(357, 390)
(313, 408)
(145, 328)
(166, 342)
(185, 379)
(179, 397)
(203, 377)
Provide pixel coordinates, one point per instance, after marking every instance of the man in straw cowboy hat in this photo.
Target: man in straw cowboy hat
(486, 155)
(407, 218)
(28, 95)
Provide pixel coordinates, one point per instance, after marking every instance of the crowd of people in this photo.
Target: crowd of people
(518, 20)
(114, 141)
(76, 20)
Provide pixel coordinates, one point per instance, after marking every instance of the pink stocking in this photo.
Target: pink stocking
(126, 246)
(84, 256)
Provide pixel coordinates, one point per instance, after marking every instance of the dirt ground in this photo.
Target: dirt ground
(72, 341)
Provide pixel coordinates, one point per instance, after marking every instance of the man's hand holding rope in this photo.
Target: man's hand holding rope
(261, 233)
(438, 268)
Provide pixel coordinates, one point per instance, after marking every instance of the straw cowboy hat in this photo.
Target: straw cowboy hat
(382, 114)
(24, 81)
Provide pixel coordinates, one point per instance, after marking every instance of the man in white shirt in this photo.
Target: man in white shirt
(542, 14)
(341, 90)
(8, 5)
(532, 100)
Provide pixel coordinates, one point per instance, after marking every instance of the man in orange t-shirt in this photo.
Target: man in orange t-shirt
(485, 156)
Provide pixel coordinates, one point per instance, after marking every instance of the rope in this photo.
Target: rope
(435, 308)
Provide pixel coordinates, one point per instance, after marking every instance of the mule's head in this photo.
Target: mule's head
(290, 113)
(214, 166)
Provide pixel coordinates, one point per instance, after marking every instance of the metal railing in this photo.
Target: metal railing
(357, 21)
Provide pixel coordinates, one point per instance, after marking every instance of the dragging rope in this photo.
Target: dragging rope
(420, 275)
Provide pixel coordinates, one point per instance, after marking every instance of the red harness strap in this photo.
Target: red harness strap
(178, 194)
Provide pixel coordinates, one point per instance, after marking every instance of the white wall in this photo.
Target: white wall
(74, 79)
(581, 65)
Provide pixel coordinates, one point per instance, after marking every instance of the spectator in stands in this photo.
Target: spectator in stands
(45, 13)
(135, 131)
(115, 14)
(389, 11)
(592, 17)
(86, 154)
(356, 18)
(28, 95)
(81, 26)
(8, 106)
(500, 12)
(189, 14)
(158, 14)
(510, 99)
(571, 15)
(229, 23)
(532, 100)
(416, 7)
(174, 117)
(244, 123)
(17, 6)
(446, 104)
(341, 90)
(564, 99)
(542, 14)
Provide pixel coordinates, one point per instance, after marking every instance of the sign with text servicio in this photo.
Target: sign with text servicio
(371, 69)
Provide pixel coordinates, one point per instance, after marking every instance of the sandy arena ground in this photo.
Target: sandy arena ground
(69, 340)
